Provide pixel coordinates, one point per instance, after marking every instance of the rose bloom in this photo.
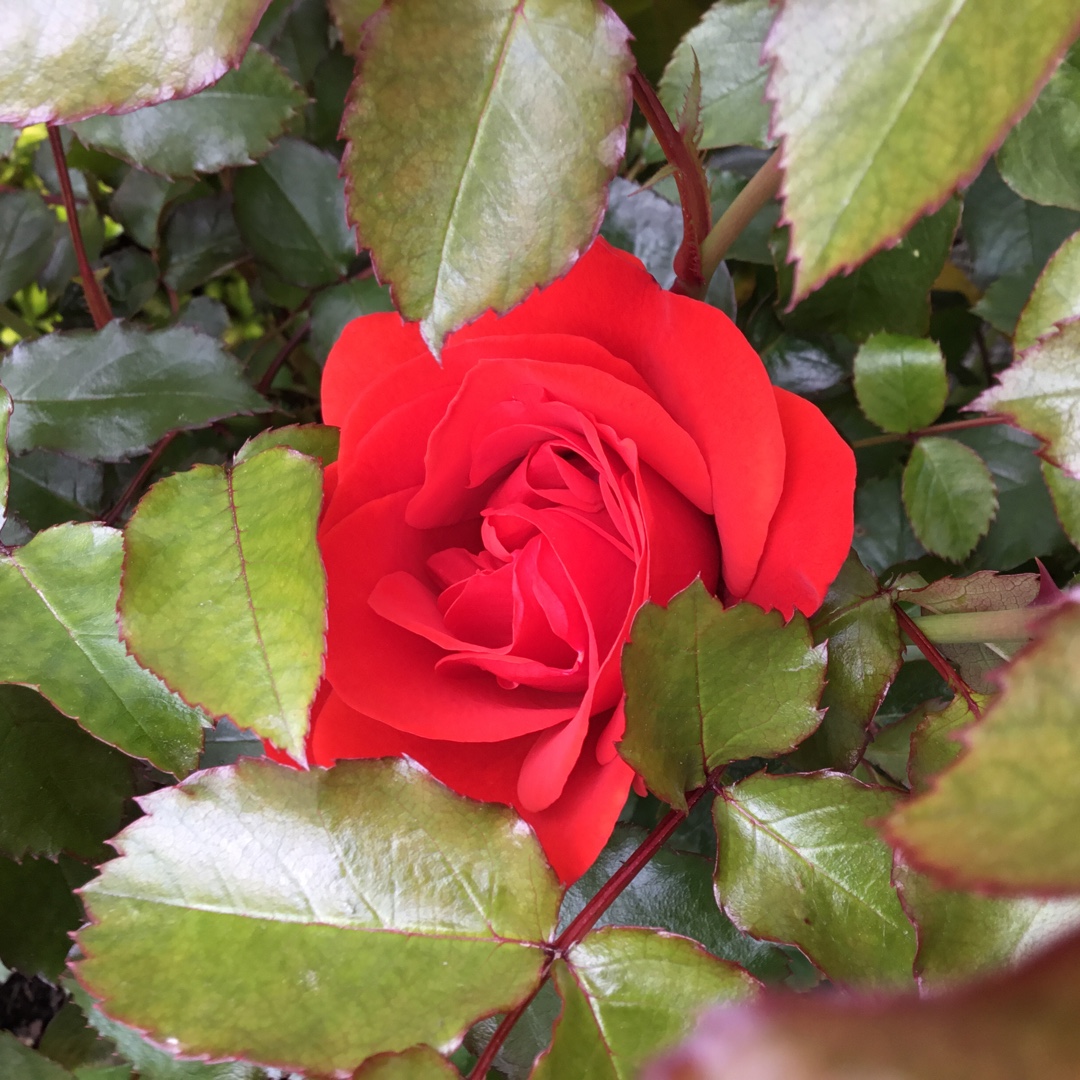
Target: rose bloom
(492, 526)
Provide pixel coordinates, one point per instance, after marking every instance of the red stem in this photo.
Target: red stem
(137, 481)
(691, 182)
(940, 664)
(282, 355)
(586, 919)
(100, 311)
(936, 429)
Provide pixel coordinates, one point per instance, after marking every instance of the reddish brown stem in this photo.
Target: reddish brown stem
(936, 429)
(940, 664)
(137, 481)
(267, 380)
(100, 311)
(691, 182)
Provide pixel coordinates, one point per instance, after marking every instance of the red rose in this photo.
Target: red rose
(493, 525)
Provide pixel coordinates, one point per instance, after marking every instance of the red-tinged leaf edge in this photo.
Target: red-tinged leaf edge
(371, 27)
(799, 291)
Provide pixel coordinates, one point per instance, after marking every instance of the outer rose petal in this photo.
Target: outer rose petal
(810, 534)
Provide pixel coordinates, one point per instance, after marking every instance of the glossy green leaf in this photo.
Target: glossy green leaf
(230, 123)
(138, 202)
(883, 535)
(199, 241)
(657, 26)
(481, 141)
(1056, 297)
(949, 495)
(19, 1062)
(350, 16)
(934, 742)
(862, 91)
(803, 367)
(1039, 393)
(334, 308)
(859, 625)
(315, 440)
(358, 920)
(60, 789)
(890, 291)
(291, 212)
(5, 416)
(1000, 818)
(1023, 1025)
(114, 392)
(1065, 492)
(707, 685)
(889, 752)
(900, 382)
(48, 489)
(419, 1063)
(962, 934)
(59, 633)
(105, 56)
(727, 46)
(26, 227)
(799, 861)
(627, 993)
(224, 594)
(1041, 157)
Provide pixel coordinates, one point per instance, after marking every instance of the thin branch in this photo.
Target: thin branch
(936, 429)
(762, 188)
(487, 1057)
(113, 514)
(940, 664)
(267, 380)
(100, 311)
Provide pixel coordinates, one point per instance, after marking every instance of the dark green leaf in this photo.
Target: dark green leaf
(864, 91)
(138, 203)
(5, 416)
(314, 440)
(58, 595)
(224, 593)
(802, 367)
(883, 535)
(999, 819)
(48, 488)
(496, 182)
(934, 744)
(1056, 297)
(230, 123)
(70, 1041)
(799, 861)
(206, 316)
(114, 392)
(19, 1062)
(752, 244)
(358, 920)
(949, 495)
(890, 750)
(707, 685)
(337, 306)
(131, 281)
(627, 993)
(200, 241)
(657, 26)
(110, 57)
(900, 382)
(291, 212)
(60, 789)
(26, 226)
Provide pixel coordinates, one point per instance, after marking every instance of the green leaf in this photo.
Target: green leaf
(627, 993)
(109, 57)
(901, 382)
(230, 123)
(962, 934)
(315, 440)
(497, 182)
(1022, 1025)
(883, 535)
(349, 17)
(38, 912)
(949, 495)
(291, 212)
(890, 291)
(889, 752)
(1039, 159)
(48, 488)
(19, 1062)
(727, 45)
(112, 393)
(1039, 394)
(864, 649)
(803, 367)
(334, 308)
(5, 416)
(224, 594)
(706, 686)
(862, 91)
(138, 202)
(358, 920)
(799, 861)
(200, 241)
(60, 789)
(59, 633)
(70, 1041)
(934, 745)
(1056, 298)
(1065, 492)
(26, 227)
(998, 819)
(419, 1063)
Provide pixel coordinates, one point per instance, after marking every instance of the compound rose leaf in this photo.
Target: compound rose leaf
(230, 123)
(707, 685)
(863, 90)
(60, 789)
(112, 393)
(224, 594)
(629, 992)
(900, 382)
(799, 861)
(1039, 393)
(1055, 298)
(996, 820)
(327, 915)
(59, 633)
(108, 56)
(481, 142)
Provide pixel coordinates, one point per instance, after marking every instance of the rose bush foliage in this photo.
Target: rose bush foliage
(494, 522)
